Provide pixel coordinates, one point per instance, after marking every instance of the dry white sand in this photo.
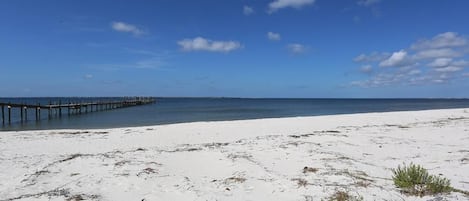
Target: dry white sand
(238, 160)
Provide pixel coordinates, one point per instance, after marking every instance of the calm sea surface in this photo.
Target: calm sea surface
(177, 110)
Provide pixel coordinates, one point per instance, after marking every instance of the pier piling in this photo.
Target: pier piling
(21, 113)
(3, 114)
(37, 119)
(9, 114)
(49, 111)
(25, 113)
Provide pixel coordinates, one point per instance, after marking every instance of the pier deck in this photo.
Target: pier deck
(71, 108)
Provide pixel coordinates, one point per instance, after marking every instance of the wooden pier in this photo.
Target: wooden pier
(57, 110)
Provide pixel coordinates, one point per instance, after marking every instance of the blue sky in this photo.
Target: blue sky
(235, 48)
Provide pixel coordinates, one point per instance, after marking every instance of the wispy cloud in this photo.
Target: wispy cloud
(296, 48)
(440, 62)
(146, 52)
(374, 56)
(437, 53)
(444, 40)
(152, 59)
(96, 45)
(145, 63)
(146, 59)
(273, 36)
(440, 59)
(150, 63)
(366, 68)
(356, 19)
(247, 10)
(368, 2)
(202, 44)
(125, 27)
(449, 69)
(280, 4)
(373, 5)
(88, 76)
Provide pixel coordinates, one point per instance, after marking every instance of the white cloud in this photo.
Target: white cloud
(367, 2)
(441, 59)
(124, 27)
(202, 44)
(440, 62)
(273, 36)
(279, 4)
(465, 74)
(396, 59)
(296, 48)
(444, 40)
(247, 10)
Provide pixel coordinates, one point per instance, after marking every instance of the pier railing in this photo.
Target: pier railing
(70, 108)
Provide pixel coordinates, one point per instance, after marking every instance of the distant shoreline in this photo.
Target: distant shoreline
(230, 97)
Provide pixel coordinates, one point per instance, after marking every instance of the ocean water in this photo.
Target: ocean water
(178, 110)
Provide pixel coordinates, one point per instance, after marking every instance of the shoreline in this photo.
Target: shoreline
(255, 159)
(229, 120)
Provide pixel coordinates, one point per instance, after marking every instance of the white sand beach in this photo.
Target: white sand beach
(260, 159)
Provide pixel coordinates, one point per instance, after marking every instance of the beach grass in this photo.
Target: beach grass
(415, 180)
